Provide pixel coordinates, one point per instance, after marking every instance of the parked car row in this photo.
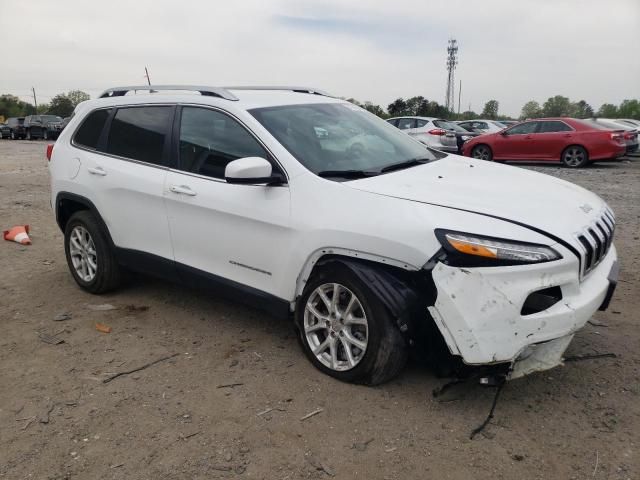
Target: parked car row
(571, 141)
(32, 127)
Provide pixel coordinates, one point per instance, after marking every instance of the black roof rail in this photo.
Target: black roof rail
(206, 91)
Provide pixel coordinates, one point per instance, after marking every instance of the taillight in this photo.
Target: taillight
(49, 151)
(437, 131)
(629, 135)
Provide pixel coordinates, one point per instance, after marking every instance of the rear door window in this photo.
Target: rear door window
(554, 126)
(421, 123)
(406, 123)
(393, 122)
(91, 128)
(140, 133)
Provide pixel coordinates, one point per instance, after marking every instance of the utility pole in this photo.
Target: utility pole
(35, 102)
(146, 74)
(459, 96)
(452, 61)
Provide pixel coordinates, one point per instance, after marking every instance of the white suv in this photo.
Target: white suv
(306, 205)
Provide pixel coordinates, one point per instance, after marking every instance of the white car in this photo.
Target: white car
(433, 132)
(481, 125)
(373, 250)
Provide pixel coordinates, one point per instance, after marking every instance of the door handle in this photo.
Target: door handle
(567, 134)
(528, 137)
(182, 190)
(97, 171)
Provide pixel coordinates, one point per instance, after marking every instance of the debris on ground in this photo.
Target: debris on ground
(590, 357)
(50, 339)
(362, 446)
(18, 234)
(104, 307)
(131, 308)
(229, 385)
(311, 414)
(493, 408)
(133, 370)
(61, 317)
(101, 327)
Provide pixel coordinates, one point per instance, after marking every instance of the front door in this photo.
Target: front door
(515, 143)
(229, 233)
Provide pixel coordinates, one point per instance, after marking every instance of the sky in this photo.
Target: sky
(509, 50)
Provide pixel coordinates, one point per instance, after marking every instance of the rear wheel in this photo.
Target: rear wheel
(575, 156)
(89, 255)
(346, 331)
(482, 152)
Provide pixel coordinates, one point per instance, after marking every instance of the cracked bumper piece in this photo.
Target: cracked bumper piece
(479, 311)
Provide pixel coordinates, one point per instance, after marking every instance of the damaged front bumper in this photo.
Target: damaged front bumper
(480, 314)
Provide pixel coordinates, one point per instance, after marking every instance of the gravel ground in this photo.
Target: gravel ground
(177, 419)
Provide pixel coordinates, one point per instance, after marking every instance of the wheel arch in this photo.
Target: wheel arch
(69, 203)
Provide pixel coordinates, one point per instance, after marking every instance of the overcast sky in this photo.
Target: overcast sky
(510, 50)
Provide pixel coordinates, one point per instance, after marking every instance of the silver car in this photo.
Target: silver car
(431, 131)
(482, 125)
(630, 131)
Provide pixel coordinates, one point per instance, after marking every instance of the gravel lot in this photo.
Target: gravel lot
(177, 420)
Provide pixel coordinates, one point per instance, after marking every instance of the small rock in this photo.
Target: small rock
(228, 457)
(517, 457)
(240, 469)
(233, 363)
(62, 317)
(244, 449)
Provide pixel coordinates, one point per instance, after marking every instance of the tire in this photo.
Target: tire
(574, 156)
(106, 274)
(385, 351)
(482, 152)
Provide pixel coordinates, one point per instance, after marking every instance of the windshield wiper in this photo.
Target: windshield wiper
(347, 173)
(412, 162)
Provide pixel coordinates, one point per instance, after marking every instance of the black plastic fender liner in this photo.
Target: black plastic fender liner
(405, 294)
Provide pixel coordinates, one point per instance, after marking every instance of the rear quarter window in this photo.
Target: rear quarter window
(88, 134)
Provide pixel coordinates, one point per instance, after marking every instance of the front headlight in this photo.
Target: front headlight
(466, 249)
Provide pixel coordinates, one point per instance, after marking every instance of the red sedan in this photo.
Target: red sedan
(568, 140)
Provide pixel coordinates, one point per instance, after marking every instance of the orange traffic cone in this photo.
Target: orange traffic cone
(19, 234)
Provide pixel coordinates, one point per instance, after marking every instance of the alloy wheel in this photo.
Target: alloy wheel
(83, 253)
(573, 157)
(481, 153)
(335, 327)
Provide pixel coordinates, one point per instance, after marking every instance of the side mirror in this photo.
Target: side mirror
(251, 171)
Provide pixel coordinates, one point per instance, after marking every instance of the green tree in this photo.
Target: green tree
(469, 115)
(557, 106)
(581, 109)
(629, 109)
(375, 109)
(608, 110)
(490, 109)
(12, 106)
(77, 96)
(397, 108)
(61, 105)
(531, 109)
(414, 105)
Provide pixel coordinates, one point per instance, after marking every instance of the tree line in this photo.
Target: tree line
(419, 106)
(557, 106)
(62, 105)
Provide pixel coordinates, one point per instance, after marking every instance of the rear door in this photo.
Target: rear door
(550, 139)
(515, 143)
(229, 234)
(121, 157)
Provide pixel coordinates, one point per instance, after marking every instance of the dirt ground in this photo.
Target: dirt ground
(179, 419)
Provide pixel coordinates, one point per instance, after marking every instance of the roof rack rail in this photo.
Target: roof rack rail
(206, 91)
(313, 91)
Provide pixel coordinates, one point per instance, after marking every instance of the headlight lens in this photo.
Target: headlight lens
(473, 249)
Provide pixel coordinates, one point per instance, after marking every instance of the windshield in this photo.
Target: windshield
(338, 137)
(51, 118)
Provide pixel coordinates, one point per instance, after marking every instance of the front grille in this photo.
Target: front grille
(596, 240)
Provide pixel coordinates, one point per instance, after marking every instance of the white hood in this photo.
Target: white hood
(534, 199)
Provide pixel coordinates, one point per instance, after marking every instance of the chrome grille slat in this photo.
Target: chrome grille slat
(596, 240)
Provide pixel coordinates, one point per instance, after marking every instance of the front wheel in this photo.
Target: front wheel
(482, 152)
(90, 257)
(575, 156)
(346, 331)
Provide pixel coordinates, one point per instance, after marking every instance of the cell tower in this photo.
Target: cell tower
(452, 61)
